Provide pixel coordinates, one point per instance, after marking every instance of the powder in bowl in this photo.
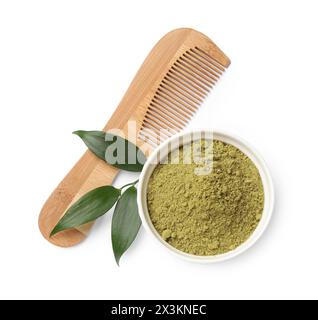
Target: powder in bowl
(205, 206)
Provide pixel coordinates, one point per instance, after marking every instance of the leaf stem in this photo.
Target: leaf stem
(129, 184)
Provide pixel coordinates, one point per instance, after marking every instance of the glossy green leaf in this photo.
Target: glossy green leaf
(115, 150)
(95, 141)
(125, 223)
(88, 208)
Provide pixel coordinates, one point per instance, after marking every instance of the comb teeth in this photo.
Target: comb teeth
(179, 95)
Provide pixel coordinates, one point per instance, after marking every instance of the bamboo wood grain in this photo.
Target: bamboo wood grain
(166, 91)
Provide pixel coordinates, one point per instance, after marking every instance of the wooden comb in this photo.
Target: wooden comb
(167, 90)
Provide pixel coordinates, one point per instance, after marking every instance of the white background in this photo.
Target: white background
(64, 65)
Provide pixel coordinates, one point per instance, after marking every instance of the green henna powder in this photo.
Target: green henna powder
(206, 207)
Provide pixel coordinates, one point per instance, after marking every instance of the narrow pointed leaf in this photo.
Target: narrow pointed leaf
(113, 149)
(94, 140)
(88, 208)
(125, 223)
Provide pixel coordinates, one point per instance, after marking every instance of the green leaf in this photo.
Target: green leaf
(88, 208)
(113, 149)
(94, 140)
(125, 223)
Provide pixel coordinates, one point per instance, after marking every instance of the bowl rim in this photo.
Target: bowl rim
(247, 149)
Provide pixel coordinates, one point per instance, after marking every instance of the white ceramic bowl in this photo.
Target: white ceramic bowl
(175, 142)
